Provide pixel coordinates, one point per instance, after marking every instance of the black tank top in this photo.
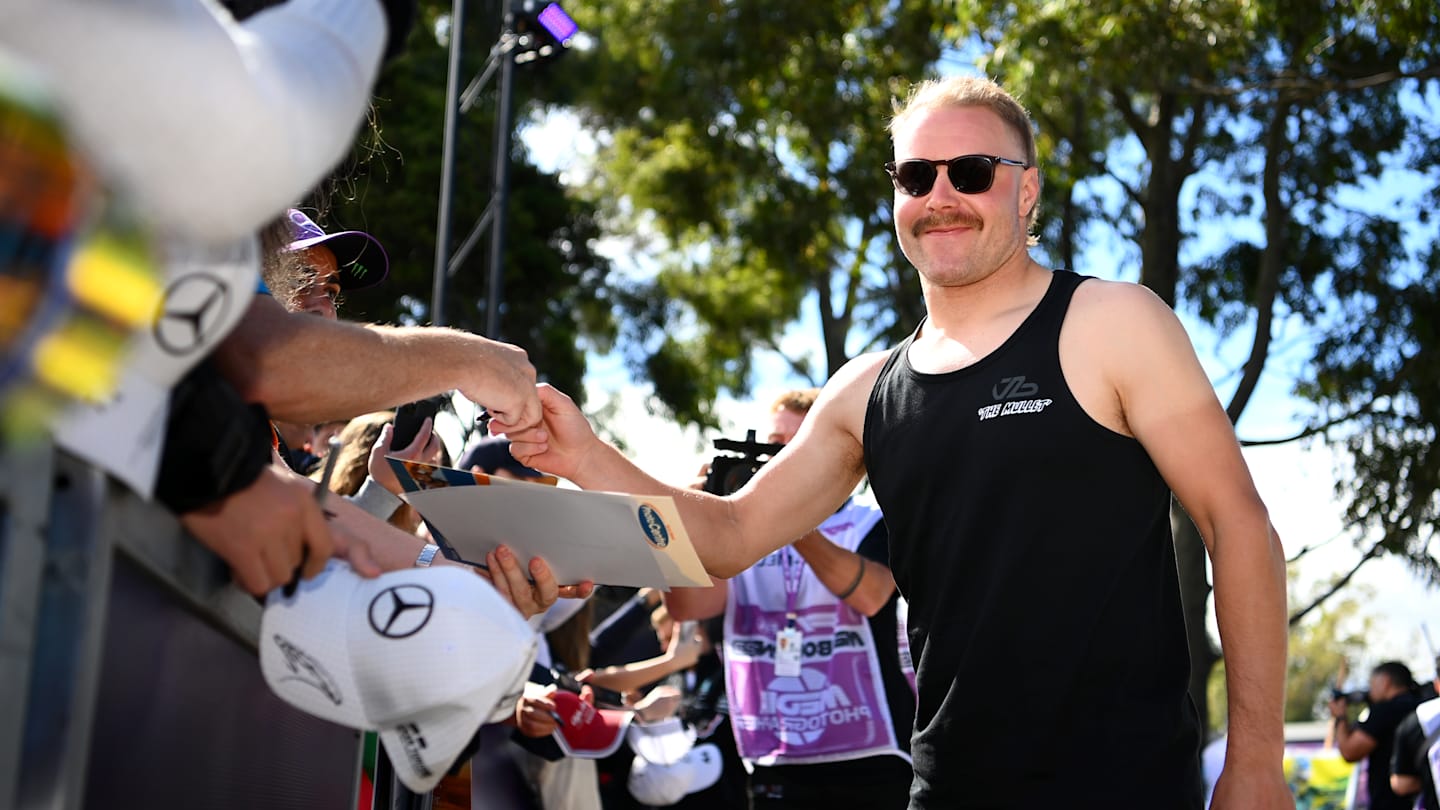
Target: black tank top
(1034, 547)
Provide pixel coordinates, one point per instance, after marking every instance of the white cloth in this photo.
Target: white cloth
(210, 126)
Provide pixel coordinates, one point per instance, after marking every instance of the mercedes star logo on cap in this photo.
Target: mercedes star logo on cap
(194, 305)
(401, 611)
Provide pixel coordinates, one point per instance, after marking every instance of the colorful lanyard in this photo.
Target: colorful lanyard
(793, 574)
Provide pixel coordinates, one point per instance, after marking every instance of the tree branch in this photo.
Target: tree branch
(1335, 586)
(1307, 549)
(1199, 114)
(1304, 87)
(799, 367)
(1313, 430)
(1272, 259)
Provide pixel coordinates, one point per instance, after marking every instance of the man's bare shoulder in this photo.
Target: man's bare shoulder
(1119, 312)
(1116, 298)
(1134, 340)
(860, 372)
(843, 401)
(854, 381)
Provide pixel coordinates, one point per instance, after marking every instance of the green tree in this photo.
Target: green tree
(741, 150)
(557, 300)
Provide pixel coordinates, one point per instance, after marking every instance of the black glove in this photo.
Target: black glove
(216, 444)
(399, 16)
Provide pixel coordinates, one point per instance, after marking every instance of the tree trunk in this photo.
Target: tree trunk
(1194, 600)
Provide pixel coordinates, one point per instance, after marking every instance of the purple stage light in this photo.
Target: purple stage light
(559, 25)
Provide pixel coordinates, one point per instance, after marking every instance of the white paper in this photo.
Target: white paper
(598, 536)
(123, 437)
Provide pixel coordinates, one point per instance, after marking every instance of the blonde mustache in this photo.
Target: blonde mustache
(955, 220)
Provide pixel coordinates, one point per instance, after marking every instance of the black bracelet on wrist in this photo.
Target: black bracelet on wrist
(859, 575)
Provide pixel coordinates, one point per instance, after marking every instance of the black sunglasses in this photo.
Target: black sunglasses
(969, 174)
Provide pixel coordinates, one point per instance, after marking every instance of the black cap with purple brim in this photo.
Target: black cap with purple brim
(361, 259)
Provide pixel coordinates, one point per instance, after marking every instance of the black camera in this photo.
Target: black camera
(1354, 698)
(737, 463)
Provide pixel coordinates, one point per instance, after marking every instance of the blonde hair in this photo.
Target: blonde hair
(353, 462)
(800, 401)
(971, 91)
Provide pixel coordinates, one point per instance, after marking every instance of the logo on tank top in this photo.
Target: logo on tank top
(1013, 396)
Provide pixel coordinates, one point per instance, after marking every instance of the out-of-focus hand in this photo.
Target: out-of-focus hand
(505, 385)
(661, 702)
(559, 444)
(1252, 787)
(265, 530)
(1338, 708)
(530, 598)
(685, 647)
(535, 716)
(700, 477)
(426, 447)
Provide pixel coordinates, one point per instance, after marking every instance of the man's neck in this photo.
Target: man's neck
(957, 309)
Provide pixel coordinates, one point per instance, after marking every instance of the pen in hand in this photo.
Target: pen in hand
(322, 490)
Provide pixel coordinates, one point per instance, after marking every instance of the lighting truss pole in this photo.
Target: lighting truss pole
(447, 167)
(500, 196)
(510, 48)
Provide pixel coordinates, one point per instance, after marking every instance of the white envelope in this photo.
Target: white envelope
(611, 538)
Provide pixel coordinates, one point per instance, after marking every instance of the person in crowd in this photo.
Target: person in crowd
(1416, 738)
(831, 590)
(1024, 444)
(1392, 698)
(682, 651)
(314, 269)
(696, 695)
(309, 268)
(358, 442)
(491, 455)
(308, 274)
(205, 190)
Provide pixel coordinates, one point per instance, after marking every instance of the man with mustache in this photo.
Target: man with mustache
(1023, 445)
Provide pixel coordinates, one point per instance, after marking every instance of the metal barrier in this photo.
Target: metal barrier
(128, 675)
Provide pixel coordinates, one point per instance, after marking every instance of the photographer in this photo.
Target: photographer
(1392, 698)
(1410, 768)
(831, 598)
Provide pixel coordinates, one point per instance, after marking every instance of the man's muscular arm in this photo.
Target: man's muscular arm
(1169, 405)
(278, 358)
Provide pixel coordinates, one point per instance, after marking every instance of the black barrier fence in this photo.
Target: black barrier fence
(128, 671)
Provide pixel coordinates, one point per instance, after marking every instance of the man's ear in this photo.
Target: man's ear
(1029, 191)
